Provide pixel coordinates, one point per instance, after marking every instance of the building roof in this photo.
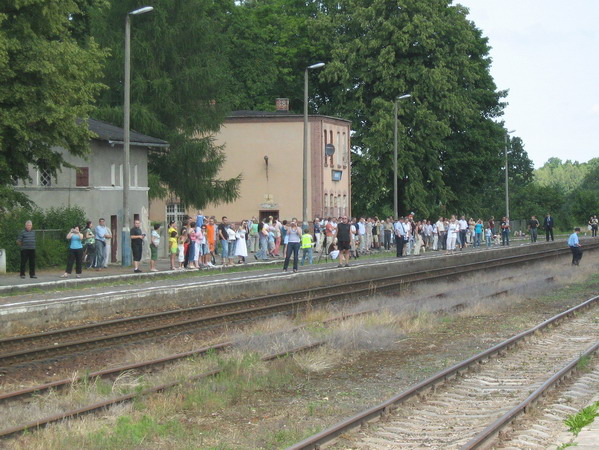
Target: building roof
(115, 135)
(275, 114)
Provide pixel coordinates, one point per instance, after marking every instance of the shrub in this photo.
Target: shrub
(51, 247)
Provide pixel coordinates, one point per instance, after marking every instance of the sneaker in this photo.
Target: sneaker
(33, 276)
(137, 271)
(340, 265)
(153, 270)
(347, 265)
(77, 276)
(294, 271)
(23, 276)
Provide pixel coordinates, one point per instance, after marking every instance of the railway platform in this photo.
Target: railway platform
(50, 300)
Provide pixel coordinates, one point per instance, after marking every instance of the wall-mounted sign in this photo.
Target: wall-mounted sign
(329, 150)
(336, 175)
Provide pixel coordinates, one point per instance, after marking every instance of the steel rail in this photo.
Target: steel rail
(491, 432)
(110, 373)
(328, 293)
(325, 436)
(9, 432)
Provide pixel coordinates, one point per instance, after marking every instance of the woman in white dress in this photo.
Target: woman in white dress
(452, 234)
(241, 249)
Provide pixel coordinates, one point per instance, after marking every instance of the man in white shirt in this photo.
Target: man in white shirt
(362, 235)
(400, 236)
(463, 230)
(441, 233)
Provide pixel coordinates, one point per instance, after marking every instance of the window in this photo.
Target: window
(44, 177)
(113, 174)
(331, 141)
(82, 176)
(345, 150)
(336, 175)
(174, 211)
(324, 145)
(339, 148)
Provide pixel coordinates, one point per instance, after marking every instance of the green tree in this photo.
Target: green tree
(271, 45)
(180, 88)
(450, 146)
(48, 82)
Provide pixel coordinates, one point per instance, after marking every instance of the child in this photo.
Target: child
(172, 244)
(306, 246)
(496, 239)
(488, 236)
(182, 241)
(271, 242)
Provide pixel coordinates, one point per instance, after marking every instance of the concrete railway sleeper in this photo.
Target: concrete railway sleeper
(38, 346)
(161, 362)
(450, 409)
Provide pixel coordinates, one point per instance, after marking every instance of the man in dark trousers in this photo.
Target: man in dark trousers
(574, 245)
(548, 224)
(26, 241)
(137, 242)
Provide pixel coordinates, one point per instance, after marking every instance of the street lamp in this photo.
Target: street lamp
(401, 97)
(125, 250)
(305, 157)
(507, 194)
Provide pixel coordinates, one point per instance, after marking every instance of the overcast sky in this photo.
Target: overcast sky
(546, 53)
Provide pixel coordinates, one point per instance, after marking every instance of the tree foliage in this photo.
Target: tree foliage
(180, 88)
(574, 184)
(47, 82)
(449, 144)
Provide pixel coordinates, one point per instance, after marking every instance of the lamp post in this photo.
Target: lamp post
(305, 157)
(401, 97)
(125, 250)
(507, 192)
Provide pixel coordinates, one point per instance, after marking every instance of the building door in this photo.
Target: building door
(114, 239)
(266, 213)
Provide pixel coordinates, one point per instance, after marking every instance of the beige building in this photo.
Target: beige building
(266, 148)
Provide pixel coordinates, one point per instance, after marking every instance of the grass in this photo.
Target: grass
(583, 363)
(246, 392)
(577, 422)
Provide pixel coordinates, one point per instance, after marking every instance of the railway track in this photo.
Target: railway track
(145, 366)
(474, 402)
(53, 344)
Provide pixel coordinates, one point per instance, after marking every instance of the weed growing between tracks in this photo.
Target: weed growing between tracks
(256, 405)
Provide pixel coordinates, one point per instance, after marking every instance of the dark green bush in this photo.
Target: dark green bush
(51, 246)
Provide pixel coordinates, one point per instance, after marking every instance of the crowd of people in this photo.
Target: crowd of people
(199, 243)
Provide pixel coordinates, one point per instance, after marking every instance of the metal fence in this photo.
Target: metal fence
(51, 234)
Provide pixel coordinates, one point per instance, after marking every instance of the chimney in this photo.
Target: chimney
(282, 104)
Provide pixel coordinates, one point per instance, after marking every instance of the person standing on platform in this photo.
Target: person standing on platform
(75, 238)
(317, 235)
(89, 245)
(505, 231)
(575, 247)
(137, 242)
(294, 237)
(26, 240)
(306, 246)
(548, 224)
(154, 245)
(593, 223)
(101, 234)
(343, 241)
(533, 225)
(401, 236)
